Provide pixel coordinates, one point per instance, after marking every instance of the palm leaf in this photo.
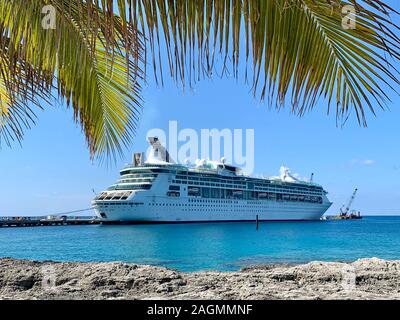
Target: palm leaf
(298, 49)
(16, 112)
(96, 71)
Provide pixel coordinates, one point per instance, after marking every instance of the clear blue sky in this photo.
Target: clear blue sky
(52, 171)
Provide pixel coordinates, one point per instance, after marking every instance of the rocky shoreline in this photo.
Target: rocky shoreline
(362, 279)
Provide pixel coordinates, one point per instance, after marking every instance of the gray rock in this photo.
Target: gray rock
(362, 279)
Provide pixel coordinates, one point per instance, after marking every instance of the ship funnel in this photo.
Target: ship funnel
(159, 152)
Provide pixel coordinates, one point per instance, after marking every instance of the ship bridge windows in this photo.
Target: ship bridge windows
(174, 188)
(117, 196)
(109, 196)
(113, 196)
(101, 196)
(125, 195)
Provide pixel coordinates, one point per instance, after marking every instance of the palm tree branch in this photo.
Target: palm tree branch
(97, 70)
(283, 38)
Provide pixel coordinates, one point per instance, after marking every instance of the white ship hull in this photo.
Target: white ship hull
(179, 211)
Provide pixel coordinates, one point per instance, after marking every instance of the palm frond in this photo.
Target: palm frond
(16, 111)
(96, 71)
(101, 82)
(298, 49)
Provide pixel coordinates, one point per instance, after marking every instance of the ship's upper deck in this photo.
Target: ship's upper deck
(218, 170)
(141, 174)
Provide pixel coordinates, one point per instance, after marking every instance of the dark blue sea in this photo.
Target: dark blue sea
(215, 246)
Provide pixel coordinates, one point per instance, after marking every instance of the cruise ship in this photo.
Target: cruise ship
(158, 190)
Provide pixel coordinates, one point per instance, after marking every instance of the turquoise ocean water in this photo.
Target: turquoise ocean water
(215, 246)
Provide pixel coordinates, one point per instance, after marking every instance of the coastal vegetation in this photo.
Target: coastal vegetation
(96, 56)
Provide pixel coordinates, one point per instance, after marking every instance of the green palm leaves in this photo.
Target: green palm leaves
(96, 68)
(299, 50)
(296, 53)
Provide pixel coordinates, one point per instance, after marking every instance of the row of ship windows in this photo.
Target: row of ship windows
(148, 177)
(314, 200)
(124, 204)
(135, 180)
(227, 211)
(140, 175)
(201, 201)
(244, 183)
(148, 186)
(224, 194)
(113, 196)
(270, 188)
(249, 195)
(199, 207)
(130, 187)
(196, 177)
(219, 201)
(202, 205)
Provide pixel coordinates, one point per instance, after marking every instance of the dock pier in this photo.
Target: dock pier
(46, 221)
